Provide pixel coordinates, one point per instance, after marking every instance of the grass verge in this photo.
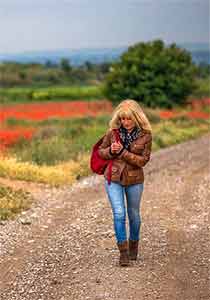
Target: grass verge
(47, 165)
(13, 202)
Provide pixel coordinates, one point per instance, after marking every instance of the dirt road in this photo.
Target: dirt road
(64, 247)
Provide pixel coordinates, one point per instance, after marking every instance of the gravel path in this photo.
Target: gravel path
(64, 247)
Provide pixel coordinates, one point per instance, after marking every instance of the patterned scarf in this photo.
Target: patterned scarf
(126, 137)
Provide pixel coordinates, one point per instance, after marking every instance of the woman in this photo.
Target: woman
(129, 156)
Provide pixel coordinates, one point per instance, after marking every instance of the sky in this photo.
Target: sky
(31, 25)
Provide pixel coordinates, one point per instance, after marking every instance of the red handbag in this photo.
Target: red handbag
(97, 163)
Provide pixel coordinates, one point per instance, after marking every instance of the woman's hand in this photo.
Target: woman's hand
(116, 147)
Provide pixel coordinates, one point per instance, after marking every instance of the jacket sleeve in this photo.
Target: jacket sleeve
(137, 159)
(105, 149)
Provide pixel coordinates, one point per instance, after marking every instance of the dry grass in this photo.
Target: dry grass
(13, 202)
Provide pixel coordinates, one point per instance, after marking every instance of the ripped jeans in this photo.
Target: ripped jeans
(133, 193)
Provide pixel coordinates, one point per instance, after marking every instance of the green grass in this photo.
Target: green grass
(59, 140)
(60, 93)
(173, 132)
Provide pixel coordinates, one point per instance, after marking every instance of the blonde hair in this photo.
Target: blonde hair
(131, 109)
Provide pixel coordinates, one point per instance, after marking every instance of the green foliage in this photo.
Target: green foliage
(47, 152)
(171, 133)
(59, 140)
(65, 65)
(43, 75)
(58, 93)
(203, 70)
(202, 88)
(152, 73)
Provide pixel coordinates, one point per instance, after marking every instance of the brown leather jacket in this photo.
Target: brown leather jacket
(127, 167)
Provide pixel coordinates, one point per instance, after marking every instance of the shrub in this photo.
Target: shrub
(152, 73)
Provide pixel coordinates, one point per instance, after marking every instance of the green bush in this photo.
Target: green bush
(152, 73)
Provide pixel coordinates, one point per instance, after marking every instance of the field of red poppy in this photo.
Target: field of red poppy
(197, 109)
(44, 111)
(36, 112)
(50, 142)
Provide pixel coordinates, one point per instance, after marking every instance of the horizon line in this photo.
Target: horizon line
(99, 47)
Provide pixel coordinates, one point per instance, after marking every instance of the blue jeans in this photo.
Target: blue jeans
(115, 192)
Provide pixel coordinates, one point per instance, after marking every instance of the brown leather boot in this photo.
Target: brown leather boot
(133, 249)
(124, 256)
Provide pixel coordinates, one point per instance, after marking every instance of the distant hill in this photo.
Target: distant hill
(200, 54)
(77, 57)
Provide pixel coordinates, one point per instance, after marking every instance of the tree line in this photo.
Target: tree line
(48, 74)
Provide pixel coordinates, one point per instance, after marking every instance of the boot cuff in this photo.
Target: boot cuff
(123, 246)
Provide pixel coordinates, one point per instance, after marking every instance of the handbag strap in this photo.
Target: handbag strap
(117, 138)
(116, 133)
(110, 171)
